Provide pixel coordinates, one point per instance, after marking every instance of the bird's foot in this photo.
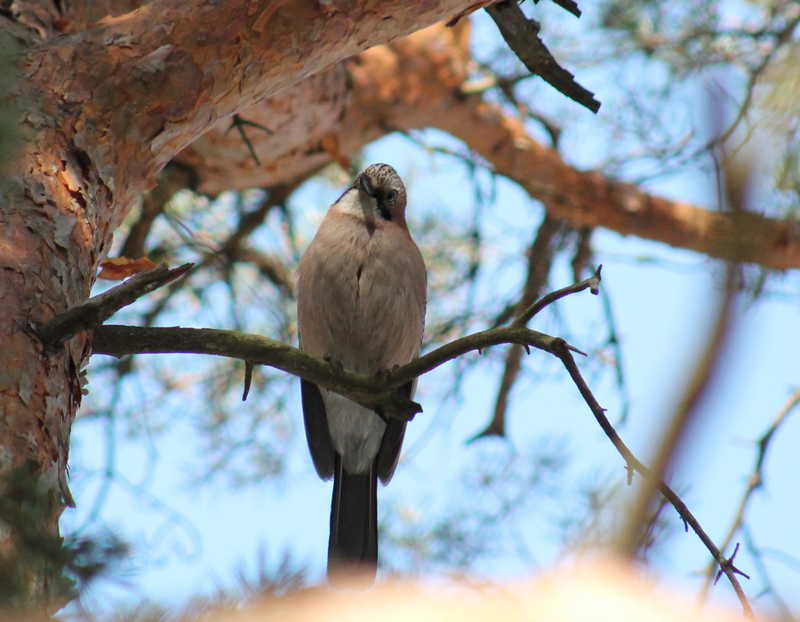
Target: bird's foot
(383, 375)
(335, 363)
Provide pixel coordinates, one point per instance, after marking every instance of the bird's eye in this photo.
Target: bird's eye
(391, 195)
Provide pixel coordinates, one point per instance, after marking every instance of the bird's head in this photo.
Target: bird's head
(380, 186)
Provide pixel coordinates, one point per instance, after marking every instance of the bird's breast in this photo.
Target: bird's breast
(369, 293)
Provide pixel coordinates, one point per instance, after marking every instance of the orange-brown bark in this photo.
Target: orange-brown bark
(403, 85)
(139, 87)
(588, 198)
(104, 109)
(416, 82)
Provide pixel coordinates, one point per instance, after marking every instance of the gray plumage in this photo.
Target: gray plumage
(361, 303)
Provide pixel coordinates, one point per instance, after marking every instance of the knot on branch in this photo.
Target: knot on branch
(727, 566)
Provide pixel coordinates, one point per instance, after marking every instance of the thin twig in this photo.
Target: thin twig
(633, 464)
(592, 283)
(239, 123)
(781, 38)
(619, 369)
(174, 177)
(754, 482)
(757, 554)
(232, 246)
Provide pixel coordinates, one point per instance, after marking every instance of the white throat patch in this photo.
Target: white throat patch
(358, 204)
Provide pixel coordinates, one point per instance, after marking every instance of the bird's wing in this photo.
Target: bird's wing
(413, 285)
(389, 453)
(313, 300)
(317, 433)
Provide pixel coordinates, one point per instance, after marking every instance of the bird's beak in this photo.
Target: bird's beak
(367, 186)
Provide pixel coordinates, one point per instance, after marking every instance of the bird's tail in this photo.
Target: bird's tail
(353, 543)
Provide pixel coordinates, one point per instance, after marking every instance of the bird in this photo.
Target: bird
(361, 301)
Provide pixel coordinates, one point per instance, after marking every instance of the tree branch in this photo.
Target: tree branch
(378, 393)
(592, 284)
(382, 393)
(98, 309)
(522, 36)
(633, 464)
(754, 482)
(416, 82)
(190, 63)
(375, 393)
(591, 199)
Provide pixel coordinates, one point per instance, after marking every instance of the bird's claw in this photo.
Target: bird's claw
(335, 363)
(383, 375)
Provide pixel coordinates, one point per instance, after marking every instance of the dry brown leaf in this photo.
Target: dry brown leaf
(118, 268)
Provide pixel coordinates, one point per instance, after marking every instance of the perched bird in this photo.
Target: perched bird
(361, 304)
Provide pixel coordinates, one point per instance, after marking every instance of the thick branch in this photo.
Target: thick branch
(591, 199)
(376, 393)
(143, 85)
(373, 393)
(382, 393)
(415, 82)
